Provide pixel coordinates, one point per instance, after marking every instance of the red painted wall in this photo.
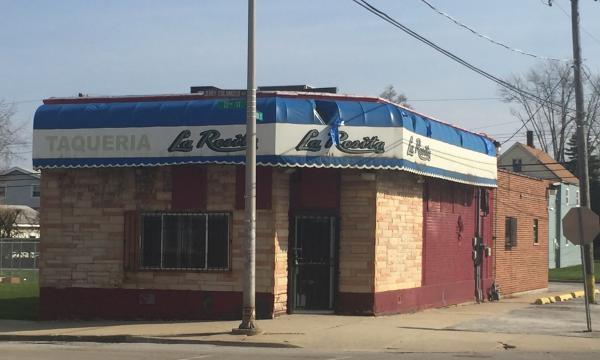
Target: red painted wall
(315, 189)
(189, 187)
(264, 187)
(147, 304)
(449, 227)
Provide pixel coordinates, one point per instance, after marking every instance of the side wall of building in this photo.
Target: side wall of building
(524, 266)
(399, 241)
(356, 280)
(450, 225)
(82, 269)
(505, 161)
(565, 253)
(18, 189)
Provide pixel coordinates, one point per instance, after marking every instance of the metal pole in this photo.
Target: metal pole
(582, 150)
(248, 325)
(588, 317)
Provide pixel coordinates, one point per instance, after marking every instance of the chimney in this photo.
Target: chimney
(530, 139)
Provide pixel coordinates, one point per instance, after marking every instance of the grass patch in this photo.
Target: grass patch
(572, 273)
(20, 301)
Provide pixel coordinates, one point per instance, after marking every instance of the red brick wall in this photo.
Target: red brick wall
(525, 266)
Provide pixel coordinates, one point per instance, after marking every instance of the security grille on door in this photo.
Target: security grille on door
(313, 262)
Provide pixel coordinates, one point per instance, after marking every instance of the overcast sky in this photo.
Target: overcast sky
(61, 48)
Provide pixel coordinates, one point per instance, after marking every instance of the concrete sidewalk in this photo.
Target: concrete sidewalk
(436, 330)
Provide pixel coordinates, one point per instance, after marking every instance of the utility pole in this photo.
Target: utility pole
(582, 150)
(248, 325)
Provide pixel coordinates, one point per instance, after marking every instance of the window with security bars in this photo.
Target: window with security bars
(185, 241)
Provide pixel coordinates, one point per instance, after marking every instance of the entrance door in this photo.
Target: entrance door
(313, 263)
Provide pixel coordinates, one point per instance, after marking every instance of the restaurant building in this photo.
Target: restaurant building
(364, 207)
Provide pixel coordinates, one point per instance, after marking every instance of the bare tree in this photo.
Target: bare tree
(389, 93)
(8, 222)
(553, 121)
(10, 134)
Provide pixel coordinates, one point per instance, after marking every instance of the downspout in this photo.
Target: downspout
(477, 254)
(494, 291)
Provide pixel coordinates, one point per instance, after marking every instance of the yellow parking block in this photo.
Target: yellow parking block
(552, 300)
(563, 297)
(578, 294)
(542, 301)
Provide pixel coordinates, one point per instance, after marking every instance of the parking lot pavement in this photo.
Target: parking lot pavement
(561, 318)
(564, 286)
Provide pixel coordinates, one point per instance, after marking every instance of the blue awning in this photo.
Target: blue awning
(372, 134)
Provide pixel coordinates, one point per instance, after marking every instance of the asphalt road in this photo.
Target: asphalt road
(95, 351)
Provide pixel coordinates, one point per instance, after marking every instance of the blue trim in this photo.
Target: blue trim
(316, 161)
(231, 111)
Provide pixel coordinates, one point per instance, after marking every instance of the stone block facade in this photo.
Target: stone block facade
(357, 233)
(82, 221)
(399, 231)
(86, 269)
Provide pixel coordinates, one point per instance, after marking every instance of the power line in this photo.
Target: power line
(475, 32)
(497, 124)
(535, 112)
(537, 164)
(25, 101)
(372, 9)
(550, 3)
(457, 99)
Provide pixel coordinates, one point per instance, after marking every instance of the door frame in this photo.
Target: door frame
(334, 290)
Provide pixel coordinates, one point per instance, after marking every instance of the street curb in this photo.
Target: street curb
(562, 297)
(577, 294)
(120, 339)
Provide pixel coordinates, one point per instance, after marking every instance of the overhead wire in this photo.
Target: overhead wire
(456, 99)
(477, 33)
(384, 16)
(532, 116)
(569, 16)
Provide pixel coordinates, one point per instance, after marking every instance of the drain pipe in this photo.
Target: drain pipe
(477, 249)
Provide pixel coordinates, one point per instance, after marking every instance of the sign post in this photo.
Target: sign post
(580, 227)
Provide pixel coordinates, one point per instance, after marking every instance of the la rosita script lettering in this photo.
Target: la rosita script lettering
(311, 142)
(415, 147)
(209, 138)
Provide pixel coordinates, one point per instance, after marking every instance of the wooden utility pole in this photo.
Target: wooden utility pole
(582, 150)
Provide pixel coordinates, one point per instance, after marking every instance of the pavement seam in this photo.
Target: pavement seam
(139, 339)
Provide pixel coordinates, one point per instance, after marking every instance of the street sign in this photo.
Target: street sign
(589, 225)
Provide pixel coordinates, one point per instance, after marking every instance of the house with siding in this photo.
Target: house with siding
(19, 186)
(364, 207)
(562, 196)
